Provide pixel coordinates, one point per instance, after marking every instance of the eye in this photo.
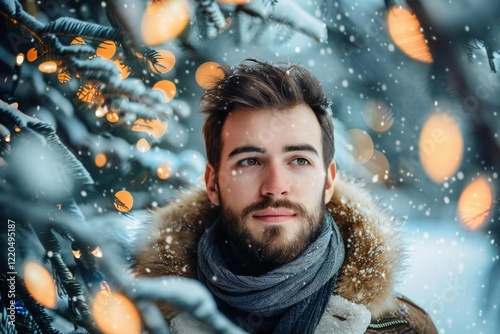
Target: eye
(248, 162)
(300, 162)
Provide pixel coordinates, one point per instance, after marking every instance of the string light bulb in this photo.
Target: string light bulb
(20, 59)
(48, 67)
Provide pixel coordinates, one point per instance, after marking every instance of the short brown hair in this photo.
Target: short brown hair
(260, 85)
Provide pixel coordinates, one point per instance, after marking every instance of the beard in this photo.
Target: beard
(274, 245)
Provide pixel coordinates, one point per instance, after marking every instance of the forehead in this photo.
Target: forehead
(266, 127)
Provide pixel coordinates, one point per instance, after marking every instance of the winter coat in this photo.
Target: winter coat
(373, 258)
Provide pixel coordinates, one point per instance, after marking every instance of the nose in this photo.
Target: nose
(275, 182)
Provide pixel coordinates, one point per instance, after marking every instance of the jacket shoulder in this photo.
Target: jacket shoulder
(407, 317)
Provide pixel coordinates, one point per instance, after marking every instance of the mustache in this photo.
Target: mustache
(299, 209)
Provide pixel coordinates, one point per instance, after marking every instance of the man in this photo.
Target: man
(282, 244)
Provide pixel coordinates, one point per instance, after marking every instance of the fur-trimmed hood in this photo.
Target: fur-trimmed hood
(168, 244)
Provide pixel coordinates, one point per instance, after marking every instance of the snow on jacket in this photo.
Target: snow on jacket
(373, 258)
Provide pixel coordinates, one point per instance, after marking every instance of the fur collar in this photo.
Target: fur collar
(168, 245)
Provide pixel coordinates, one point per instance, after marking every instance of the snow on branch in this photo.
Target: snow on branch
(290, 14)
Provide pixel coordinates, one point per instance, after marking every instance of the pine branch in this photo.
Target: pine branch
(290, 14)
(67, 26)
(212, 11)
(72, 287)
(35, 310)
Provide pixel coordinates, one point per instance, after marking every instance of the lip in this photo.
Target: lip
(274, 215)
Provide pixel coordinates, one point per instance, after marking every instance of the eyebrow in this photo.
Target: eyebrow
(246, 149)
(302, 147)
(255, 149)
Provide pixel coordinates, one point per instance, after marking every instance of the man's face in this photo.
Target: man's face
(272, 184)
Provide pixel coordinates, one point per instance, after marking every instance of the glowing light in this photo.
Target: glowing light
(233, 2)
(167, 87)
(106, 50)
(164, 20)
(87, 92)
(77, 254)
(123, 201)
(77, 40)
(143, 145)
(163, 171)
(124, 69)
(475, 203)
(208, 74)
(362, 145)
(440, 147)
(32, 55)
(112, 117)
(101, 111)
(379, 166)
(48, 67)
(100, 160)
(165, 62)
(378, 116)
(63, 75)
(6, 139)
(20, 59)
(405, 31)
(155, 127)
(17, 128)
(97, 252)
(115, 314)
(40, 284)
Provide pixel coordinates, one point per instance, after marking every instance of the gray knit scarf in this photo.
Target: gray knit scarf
(289, 299)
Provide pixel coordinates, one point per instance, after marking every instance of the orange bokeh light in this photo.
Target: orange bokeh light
(165, 62)
(48, 67)
(405, 31)
(100, 160)
(32, 55)
(362, 145)
(163, 171)
(164, 20)
(143, 145)
(378, 116)
(155, 127)
(124, 69)
(114, 313)
(106, 50)
(40, 284)
(112, 117)
(475, 203)
(77, 40)
(208, 74)
(378, 165)
(167, 87)
(63, 75)
(87, 92)
(126, 200)
(440, 147)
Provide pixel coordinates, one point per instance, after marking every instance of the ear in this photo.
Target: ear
(330, 176)
(211, 184)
